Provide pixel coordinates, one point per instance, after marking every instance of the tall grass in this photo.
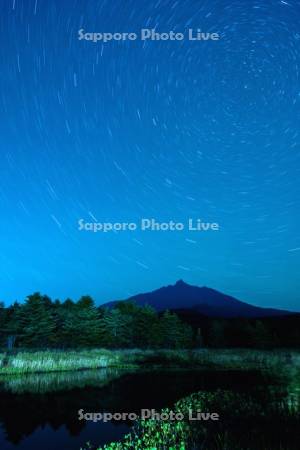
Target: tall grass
(52, 361)
(57, 360)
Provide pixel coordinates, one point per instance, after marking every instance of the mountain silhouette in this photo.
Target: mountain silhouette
(202, 300)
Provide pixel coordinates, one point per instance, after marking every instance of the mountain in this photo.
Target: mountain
(202, 300)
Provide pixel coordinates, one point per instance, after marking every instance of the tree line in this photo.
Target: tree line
(41, 322)
(262, 333)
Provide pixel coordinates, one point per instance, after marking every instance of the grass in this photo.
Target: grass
(57, 361)
(25, 362)
(245, 423)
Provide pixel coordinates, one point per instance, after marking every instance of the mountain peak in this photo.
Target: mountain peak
(180, 283)
(204, 300)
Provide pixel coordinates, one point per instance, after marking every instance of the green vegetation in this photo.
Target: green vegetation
(53, 361)
(41, 323)
(69, 360)
(261, 422)
(81, 336)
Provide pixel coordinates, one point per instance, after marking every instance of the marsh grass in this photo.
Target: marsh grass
(59, 360)
(246, 423)
(56, 361)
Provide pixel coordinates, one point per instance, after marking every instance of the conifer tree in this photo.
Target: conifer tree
(82, 325)
(36, 324)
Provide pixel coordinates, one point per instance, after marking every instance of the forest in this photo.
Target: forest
(40, 322)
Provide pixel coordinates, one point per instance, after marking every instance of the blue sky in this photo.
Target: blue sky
(171, 130)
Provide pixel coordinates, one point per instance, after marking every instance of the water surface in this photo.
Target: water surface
(40, 411)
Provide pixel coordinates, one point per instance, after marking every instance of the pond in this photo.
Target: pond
(41, 411)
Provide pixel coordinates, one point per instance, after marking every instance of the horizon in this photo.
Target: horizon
(177, 282)
(98, 137)
(149, 230)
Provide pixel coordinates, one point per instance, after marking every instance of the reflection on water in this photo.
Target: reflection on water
(41, 410)
(293, 386)
(40, 383)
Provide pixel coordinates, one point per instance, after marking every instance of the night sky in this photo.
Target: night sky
(171, 130)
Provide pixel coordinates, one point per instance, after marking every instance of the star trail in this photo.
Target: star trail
(169, 129)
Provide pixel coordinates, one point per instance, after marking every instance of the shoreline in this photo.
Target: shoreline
(55, 360)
